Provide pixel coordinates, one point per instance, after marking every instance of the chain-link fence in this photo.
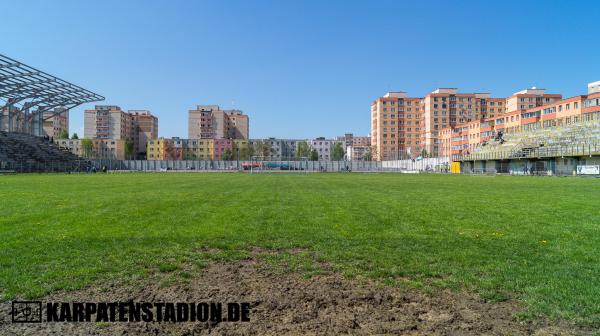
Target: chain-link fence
(254, 166)
(439, 165)
(428, 165)
(433, 165)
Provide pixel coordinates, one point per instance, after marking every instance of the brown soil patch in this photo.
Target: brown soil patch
(290, 304)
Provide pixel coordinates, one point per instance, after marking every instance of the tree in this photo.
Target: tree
(424, 153)
(88, 147)
(368, 155)
(235, 151)
(129, 149)
(246, 152)
(169, 151)
(314, 156)
(263, 148)
(189, 156)
(63, 134)
(303, 150)
(227, 155)
(338, 152)
(75, 136)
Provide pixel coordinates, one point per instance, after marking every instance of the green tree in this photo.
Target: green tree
(368, 155)
(424, 153)
(88, 148)
(302, 150)
(314, 156)
(263, 148)
(227, 155)
(75, 136)
(129, 149)
(189, 156)
(246, 152)
(338, 152)
(63, 134)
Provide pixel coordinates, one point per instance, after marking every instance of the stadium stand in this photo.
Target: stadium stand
(22, 152)
(566, 140)
(27, 96)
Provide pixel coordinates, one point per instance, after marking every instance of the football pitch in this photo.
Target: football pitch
(532, 240)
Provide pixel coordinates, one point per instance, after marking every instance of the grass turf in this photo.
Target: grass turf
(534, 239)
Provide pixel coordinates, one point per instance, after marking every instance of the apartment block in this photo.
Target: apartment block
(396, 122)
(144, 128)
(56, 122)
(107, 122)
(280, 149)
(356, 153)
(529, 98)
(220, 146)
(110, 122)
(181, 149)
(350, 139)
(447, 107)
(101, 148)
(355, 147)
(165, 149)
(324, 147)
(53, 122)
(289, 148)
(210, 122)
(591, 106)
(405, 127)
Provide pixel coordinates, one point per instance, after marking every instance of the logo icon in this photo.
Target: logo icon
(27, 311)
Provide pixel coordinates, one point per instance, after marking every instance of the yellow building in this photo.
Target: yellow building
(198, 149)
(238, 144)
(182, 149)
(155, 149)
(165, 149)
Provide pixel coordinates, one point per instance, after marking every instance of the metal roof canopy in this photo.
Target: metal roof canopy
(26, 88)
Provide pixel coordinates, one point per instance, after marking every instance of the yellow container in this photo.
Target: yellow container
(455, 167)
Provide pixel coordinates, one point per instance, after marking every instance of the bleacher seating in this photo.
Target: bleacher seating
(23, 152)
(576, 138)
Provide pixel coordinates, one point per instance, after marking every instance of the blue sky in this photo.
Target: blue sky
(300, 69)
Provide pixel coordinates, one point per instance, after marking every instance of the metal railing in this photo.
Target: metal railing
(576, 149)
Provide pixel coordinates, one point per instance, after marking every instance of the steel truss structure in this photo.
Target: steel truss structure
(26, 94)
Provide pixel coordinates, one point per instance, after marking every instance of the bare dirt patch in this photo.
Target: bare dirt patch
(289, 303)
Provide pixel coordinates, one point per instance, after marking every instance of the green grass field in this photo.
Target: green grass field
(535, 240)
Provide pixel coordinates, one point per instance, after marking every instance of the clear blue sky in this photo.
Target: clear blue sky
(300, 68)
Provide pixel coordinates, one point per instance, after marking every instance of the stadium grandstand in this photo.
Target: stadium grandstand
(556, 150)
(561, 137)
(28, 99)
(574, 139)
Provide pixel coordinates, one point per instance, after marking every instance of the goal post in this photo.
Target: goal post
(258, 161)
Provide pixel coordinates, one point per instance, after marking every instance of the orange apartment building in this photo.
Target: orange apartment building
(447, 107)
(404, 127)
(396, 122)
